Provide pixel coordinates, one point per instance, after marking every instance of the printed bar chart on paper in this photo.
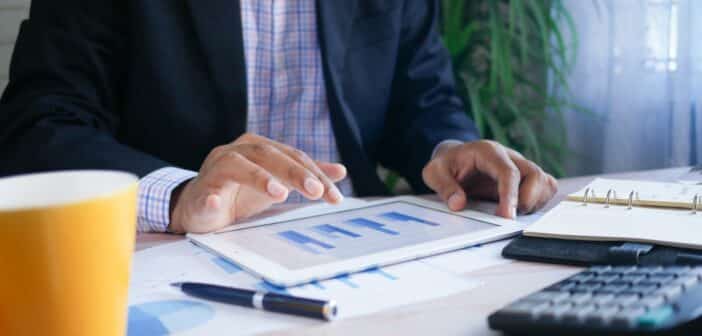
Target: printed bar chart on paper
(156, 308)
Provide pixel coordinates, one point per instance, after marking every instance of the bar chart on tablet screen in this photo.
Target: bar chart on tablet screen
(321, 239)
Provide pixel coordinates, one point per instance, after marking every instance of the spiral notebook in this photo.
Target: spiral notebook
(622, 210)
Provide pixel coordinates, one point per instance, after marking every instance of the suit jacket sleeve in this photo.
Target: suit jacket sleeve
(60, 110)
(425, 108)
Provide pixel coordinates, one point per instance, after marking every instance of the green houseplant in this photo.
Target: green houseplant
(511, 59)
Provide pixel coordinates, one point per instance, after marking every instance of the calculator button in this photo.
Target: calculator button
(523, 309)
(580, 278)
(669, 292)
(608, 278)
(648, 283)
(610, 273)
(655, 317)
(602, 315)
(578, 313)
(601, 299)
(626, 299)
(613, 288)
(619, 282)
(665, 273)
(599, 269)
(677, 269)
(643, 289)
(650, 269)
(579, 298)
(554, 312)
(623, 269)
(661, 278)
(559, 287)
(632, 278)
(547, 297)
(587, 287)
(627, 317)
(695, 271)
(686, 281)
(650, 302)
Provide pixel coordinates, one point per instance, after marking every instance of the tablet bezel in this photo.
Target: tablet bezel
(279, 275)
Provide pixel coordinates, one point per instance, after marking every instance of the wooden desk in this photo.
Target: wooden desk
(465, 313)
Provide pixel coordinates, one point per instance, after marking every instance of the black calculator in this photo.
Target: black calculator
(618, 300)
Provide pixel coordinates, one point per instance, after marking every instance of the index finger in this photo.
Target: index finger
(331, 193)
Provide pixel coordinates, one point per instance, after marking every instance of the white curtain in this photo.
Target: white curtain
(639, 73)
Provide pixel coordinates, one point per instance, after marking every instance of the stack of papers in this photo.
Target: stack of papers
(157, 308)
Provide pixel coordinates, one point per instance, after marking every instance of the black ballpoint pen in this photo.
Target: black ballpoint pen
(274, 302)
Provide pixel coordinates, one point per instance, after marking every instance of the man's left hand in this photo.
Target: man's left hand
(487, 170)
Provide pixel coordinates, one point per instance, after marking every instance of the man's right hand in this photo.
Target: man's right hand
(245, 177)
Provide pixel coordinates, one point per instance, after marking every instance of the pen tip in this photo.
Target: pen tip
(177, 284)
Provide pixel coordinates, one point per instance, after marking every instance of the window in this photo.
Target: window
(661, 35)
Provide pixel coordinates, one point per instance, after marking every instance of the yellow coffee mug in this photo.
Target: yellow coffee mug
(66, 242)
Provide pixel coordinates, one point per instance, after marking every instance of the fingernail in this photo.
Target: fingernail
(513, 213)
(454, 201)
(336, 195)
(276, 189)
(343, 169)
(313, 186)
(212, 202)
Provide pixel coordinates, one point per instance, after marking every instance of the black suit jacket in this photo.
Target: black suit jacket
(138, 85)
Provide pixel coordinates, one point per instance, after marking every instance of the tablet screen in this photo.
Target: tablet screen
(318, 240)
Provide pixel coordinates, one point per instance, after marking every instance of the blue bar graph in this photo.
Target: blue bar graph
(225, 265)
(334, 232)
(367, 223)
(381, 272)
(271, 288)
(317, 284)
(396, 216)
(303, 241)
(346, 279)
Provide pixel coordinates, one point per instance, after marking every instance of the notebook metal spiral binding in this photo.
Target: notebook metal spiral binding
(633, 197)
(610, 193)
(630, 203)
(589, 192)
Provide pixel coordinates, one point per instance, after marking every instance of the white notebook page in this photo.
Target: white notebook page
(573, 220)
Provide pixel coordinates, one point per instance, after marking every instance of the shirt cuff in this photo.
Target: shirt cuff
(445, 142)
(155, 197)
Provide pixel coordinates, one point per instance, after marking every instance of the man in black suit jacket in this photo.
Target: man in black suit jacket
(141, 85)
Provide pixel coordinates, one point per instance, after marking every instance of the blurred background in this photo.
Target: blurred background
(12, 12)
(579, 86)
(583, 87)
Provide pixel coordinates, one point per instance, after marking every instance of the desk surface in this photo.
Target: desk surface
(465, 313)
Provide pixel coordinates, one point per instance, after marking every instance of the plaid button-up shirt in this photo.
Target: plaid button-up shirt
(286, 98)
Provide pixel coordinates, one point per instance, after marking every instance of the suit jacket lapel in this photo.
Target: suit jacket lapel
(334, 25)
(218, 27)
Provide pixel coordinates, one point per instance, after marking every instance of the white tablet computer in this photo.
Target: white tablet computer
(334, 243)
